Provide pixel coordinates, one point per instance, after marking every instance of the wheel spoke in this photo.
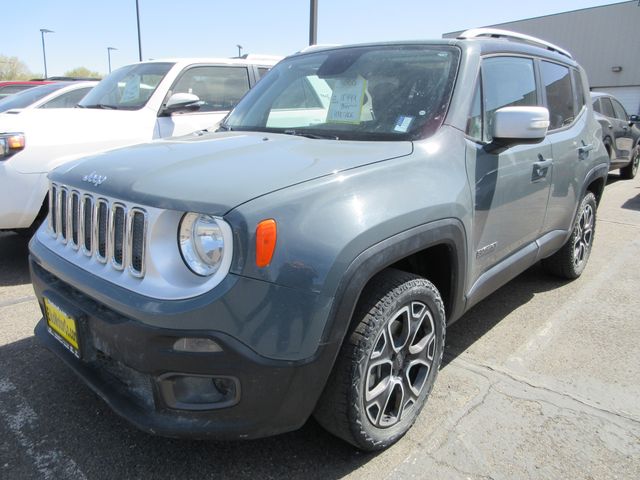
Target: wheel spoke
(398, 329)
(394, 403)
(422, 331)
(415, 376)
(378, 379)
(383, 347)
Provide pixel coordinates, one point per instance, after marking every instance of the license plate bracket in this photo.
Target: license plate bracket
(62, 326)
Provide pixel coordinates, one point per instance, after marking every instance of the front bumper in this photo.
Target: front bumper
(126, 362)
(22, 196)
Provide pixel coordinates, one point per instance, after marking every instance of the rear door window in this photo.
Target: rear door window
(607, 108)
(561, 101)
(619, 110)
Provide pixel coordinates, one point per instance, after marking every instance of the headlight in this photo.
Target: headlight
(202, 243)
(11, 143)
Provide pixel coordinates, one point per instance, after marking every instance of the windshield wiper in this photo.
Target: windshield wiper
(224, 128)
(102, 106)
(302, 133)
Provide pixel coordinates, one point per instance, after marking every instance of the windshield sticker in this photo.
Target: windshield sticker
(347, 99)
(402, 124)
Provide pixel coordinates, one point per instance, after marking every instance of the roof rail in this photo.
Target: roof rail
(497, 33)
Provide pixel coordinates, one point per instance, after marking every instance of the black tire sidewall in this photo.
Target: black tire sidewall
(589, 199)
(368, 435)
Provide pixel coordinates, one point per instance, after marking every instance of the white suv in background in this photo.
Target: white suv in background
(134, 104)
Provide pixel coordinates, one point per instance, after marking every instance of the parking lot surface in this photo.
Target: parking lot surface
(540, 380)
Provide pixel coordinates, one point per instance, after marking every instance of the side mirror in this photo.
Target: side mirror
(634, 119)
(182, 102)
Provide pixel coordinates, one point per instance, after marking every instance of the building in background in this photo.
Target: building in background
(605, 40)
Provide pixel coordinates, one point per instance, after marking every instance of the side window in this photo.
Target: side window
(579, 91)
(67, 100)
(220, 88)
(262, 71)
(474, 122)
(560, 99)
(607, 108)
(621, 113)
(596, 106)
(298, 95)
(506, 82)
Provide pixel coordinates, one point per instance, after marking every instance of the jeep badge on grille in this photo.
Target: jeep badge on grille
(94, 178)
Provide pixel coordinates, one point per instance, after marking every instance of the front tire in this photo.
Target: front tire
(388, 363)
(571, 260)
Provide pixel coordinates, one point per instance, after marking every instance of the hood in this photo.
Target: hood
(217, 172)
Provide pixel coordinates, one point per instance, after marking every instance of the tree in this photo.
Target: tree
(82, 72)
(12, 68)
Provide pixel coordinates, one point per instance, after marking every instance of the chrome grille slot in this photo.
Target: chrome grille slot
(64, 209)
(136, 241)
(106, 230)
(75, 220)
(102, 222)
(87, 224)
(118, 226)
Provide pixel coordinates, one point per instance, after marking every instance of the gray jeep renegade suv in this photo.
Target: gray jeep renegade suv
(307, 258)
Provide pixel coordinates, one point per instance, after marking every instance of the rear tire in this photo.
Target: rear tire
(629, 172)
(571, 260)
(388, 362)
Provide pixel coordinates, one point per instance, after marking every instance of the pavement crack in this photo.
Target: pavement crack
(474, 367)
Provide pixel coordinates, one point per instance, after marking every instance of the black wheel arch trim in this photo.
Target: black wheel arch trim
(448, 231)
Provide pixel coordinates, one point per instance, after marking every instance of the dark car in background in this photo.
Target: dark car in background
(11, 87)
(620, 133)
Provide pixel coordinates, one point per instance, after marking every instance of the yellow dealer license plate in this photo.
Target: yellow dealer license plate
(62, 326)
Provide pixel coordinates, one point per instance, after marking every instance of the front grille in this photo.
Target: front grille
(113, 232)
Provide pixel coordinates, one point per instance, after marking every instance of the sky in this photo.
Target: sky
(212, 28)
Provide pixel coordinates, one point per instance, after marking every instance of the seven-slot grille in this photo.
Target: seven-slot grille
(108, 230)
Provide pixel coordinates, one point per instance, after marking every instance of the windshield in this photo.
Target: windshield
(392, 92)
(27, 97)
(128, 88)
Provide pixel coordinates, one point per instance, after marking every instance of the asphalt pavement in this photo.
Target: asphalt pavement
(541, 380)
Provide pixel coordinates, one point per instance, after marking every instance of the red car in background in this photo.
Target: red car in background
(10, 87)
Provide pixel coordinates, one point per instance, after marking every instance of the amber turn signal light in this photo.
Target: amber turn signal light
(266, 234)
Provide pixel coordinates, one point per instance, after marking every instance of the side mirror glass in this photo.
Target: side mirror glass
(519, 125)
(182, 102)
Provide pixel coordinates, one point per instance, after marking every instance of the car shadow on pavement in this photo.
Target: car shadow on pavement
(71, 425)
(632, 203)
(488, 313)
(14, 259)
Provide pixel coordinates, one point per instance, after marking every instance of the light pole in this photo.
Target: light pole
(313, 22)
(138, 21)
(109, 56)
(44, 52)
(239, 50)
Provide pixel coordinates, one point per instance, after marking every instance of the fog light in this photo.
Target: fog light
(195, 344)
(199, 392)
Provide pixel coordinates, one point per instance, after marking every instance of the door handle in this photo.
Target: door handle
(584, 149)
(541, 168)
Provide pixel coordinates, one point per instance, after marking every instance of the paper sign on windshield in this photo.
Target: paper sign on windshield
(346, 100)
(131, 90)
